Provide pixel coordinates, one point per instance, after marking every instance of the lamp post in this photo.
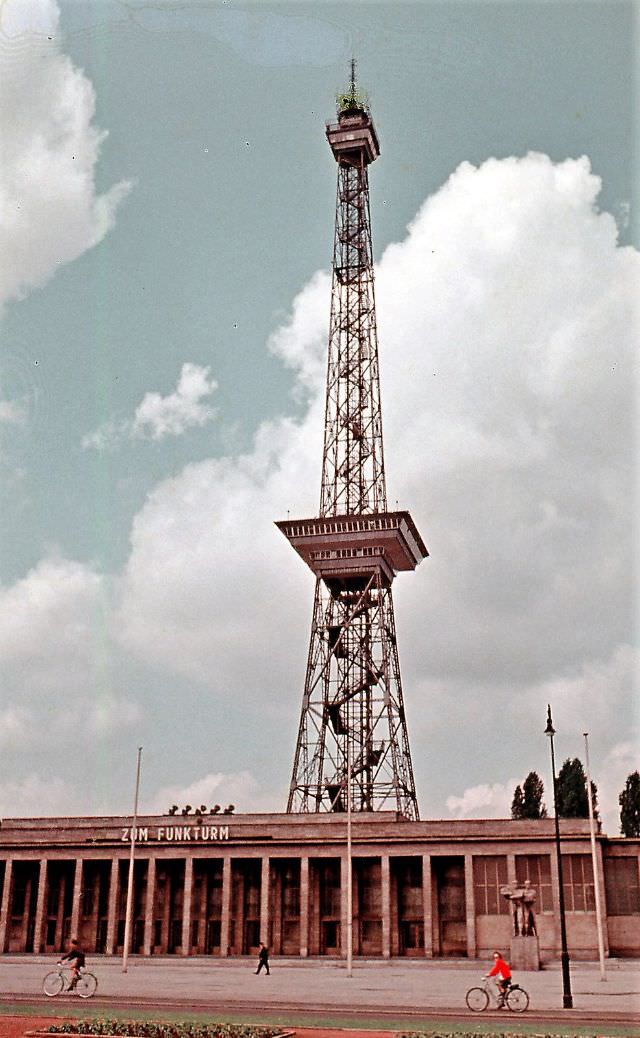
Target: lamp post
(567, 999)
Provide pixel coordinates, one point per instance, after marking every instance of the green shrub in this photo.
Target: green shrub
(157, 1029)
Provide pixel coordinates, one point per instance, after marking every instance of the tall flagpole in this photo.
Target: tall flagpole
(349, 867)
(594, 859)
(129, 910)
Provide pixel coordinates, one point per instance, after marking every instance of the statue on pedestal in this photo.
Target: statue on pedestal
(522, 897)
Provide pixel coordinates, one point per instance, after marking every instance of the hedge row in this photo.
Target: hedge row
(157, 1029)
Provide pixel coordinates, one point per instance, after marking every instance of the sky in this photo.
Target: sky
(167, 205)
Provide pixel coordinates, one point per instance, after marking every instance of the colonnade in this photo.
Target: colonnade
(188, 902)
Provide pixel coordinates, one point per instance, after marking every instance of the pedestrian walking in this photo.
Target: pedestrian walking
(263, 959)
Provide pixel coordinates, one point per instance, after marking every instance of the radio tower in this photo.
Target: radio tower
(352, 740)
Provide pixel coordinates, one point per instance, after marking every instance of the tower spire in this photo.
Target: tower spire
(353, 719)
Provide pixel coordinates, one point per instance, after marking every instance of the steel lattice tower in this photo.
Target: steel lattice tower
(353, 719)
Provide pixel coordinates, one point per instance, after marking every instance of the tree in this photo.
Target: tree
(517, 803)
(629, 801)
(527, 799)
(532, 792)
(571, 791)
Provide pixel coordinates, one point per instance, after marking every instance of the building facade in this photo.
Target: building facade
(218, 885)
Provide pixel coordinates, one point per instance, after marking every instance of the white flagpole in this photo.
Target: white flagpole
(129, 909)
(594, 860)
(349, 865)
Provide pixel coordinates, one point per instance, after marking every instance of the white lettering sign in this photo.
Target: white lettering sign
(177, 833)
(141, 834)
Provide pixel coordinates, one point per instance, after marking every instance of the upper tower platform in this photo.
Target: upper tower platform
(352, 547)
(353, 139)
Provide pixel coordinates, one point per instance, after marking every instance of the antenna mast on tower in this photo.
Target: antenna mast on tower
(353, 719)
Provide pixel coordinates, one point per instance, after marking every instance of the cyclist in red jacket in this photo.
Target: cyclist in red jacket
(502, 973)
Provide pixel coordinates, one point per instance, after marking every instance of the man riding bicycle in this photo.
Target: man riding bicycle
(76, 961)
(502, 973)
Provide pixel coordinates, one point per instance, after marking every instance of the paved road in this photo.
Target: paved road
(376, 991)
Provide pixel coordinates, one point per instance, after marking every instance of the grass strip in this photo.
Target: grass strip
(460, 1028)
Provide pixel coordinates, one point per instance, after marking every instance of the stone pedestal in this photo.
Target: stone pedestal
(525, 953)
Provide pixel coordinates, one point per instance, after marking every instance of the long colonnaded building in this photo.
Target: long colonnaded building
(218, 885)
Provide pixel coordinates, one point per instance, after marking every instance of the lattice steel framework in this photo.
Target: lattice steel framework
(353, 719)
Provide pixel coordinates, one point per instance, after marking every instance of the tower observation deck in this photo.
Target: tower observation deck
(352, 739)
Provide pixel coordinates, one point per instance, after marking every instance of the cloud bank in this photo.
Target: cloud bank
(508, 329)
(507, 325)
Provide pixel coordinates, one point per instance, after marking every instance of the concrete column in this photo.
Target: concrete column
(77, 894)
(149, 906)
(315, 942)
(226, 908)
(470, 906)
(202, 910)
(96, 903)
(511, 869)
(6, 904)
(265, 936)
(62, 897)
(426, 906)
(167, 881)
(599, 879)
(113, 907)
(304, 907)
(40, 907)
(386, 907)
(186, 905)
(344, 905)
(24, 930)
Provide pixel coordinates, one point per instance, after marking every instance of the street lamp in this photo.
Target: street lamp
(567, 999)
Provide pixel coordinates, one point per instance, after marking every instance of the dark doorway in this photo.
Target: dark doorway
(448, 876)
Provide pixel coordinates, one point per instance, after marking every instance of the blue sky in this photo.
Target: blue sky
(168, 206)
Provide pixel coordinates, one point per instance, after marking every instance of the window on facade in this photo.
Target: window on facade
(489, 874)
(370, 888)
(409, 880)
(330, 888)
(88, 899)
(52, 898)
(577, 877)
(291, 891)
(537, 869)
(19, 896)
(621, 886)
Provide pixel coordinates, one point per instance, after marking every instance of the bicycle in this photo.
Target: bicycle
(478, 999)
(58, 980)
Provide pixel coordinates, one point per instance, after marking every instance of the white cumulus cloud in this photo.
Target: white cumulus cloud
(237, 788)
(484, 801)
(508, 331)
(159, 416)
(38, 796)
(56, 684)
(50, 211)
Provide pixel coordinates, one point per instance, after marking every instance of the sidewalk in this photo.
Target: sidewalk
(383, 988)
